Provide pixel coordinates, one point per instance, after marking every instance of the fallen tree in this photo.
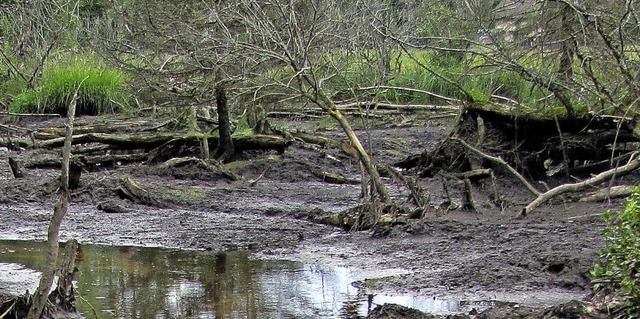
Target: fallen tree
(538, 147)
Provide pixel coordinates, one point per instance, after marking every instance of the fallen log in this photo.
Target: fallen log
(129, 189)
(110, 127)
(149, 141)
(213, 168)
(607, 193)
(332, 178)
(632, 165)
(90, 162)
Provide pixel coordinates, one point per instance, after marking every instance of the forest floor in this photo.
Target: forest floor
(492, 254)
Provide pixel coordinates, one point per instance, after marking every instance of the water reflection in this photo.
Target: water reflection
(134, 282)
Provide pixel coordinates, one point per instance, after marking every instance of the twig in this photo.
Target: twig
(88, 303)
(584, 216)
(255, 181)
(8, 310)
(500, 161)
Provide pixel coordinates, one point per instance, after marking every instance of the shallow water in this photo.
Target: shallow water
(135, 282)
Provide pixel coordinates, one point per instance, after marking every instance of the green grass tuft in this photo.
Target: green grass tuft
(102, 90)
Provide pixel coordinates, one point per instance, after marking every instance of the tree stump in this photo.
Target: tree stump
(75, 171)
(15, 168)
(64, 294)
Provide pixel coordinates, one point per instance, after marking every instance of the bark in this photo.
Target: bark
(225, 150)
(565, 70)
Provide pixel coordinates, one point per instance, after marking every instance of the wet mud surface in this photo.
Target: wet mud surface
(491, 254)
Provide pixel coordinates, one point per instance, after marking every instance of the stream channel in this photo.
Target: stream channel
(137, 282)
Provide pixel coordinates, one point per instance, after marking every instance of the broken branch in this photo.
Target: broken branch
(542, 198)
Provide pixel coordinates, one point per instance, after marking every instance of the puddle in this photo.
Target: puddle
(134, 282)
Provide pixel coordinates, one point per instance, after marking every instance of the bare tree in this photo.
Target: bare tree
(296, 50)
(33, 31)
(174, 50)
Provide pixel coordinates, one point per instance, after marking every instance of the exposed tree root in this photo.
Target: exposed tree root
(504, 164)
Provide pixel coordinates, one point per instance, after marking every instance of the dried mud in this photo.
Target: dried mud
(492, 254)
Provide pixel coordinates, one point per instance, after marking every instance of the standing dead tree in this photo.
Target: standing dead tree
(60, 210)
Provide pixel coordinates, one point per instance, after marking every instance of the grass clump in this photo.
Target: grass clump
(102, 90)
(619, 270)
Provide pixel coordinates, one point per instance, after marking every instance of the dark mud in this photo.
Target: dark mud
(491, 254)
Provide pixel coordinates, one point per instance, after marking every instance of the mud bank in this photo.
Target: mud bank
(491, 254)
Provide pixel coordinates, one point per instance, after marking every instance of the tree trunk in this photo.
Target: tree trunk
(377, 187)
(60, 210)
(225, 149)
(565, 70)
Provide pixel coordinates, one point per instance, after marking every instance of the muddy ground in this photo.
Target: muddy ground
(538, 261)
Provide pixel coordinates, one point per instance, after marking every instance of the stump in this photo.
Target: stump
(15, 168)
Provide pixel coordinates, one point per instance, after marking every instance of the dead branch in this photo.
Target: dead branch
(91, 161)
(149, 141)
(602, 177)
(500, 161)
(399, 107)
(331, 178)
(29, 114)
